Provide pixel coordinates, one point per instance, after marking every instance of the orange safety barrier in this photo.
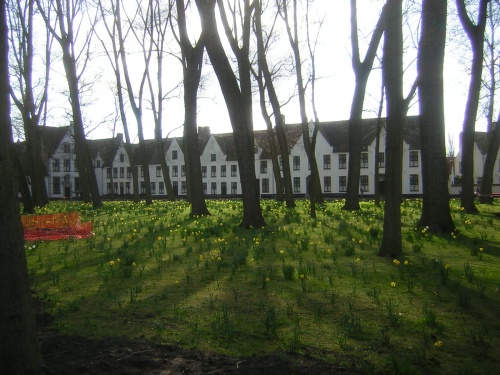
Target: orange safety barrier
(55, 227)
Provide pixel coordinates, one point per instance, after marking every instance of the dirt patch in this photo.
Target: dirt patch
(79, 355)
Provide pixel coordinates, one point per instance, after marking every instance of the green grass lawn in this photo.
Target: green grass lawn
(301, 285)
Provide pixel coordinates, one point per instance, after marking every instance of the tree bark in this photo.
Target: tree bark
(489, 164)
(19, 347)
(239, 104)
(436, 213)
(475, 33)
(392, 73)
(192, 63)
(362, 70)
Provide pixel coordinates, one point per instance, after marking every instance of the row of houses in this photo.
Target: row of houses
(220, 172)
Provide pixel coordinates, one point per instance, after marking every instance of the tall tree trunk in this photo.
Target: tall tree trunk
(239, 105)
(436, 213)
(377, 148)
(285, 159)
(192, 63)
(489, 164)
(84, 158)
(19, 347)
(392, 72)
(28, 204)
(362, 71)
(475, 34)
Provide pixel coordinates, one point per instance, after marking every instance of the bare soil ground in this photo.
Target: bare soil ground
(79, 355)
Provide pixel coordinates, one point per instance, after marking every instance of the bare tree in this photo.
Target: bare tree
(237, 95)
(192, 63)
(436, 215)
(397, 106)
(69, 16)
(475, 33)
(29, 94)
(291, 22)
(362, 70)
(19, 347)
(492, 60)
(113, 54)
(136, 98)
(157, 25)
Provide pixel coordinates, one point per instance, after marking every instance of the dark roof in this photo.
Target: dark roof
(106, 148)
(150, 149)
(337, 133)
(155, 158)
(227, 145)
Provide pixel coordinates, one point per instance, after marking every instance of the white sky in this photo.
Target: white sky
(334, 86)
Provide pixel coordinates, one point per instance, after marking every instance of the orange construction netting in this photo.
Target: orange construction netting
(55, 227)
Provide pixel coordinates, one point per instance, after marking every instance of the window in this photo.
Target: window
(364, 160)
(161, 187)
(263, 166)
(174, 154)
(414, 182)
(66, 148)
(129, 172)
(67, 165)
(122, 157)
(381, 160)
(55, 165)
(115, 172)
(108, 187)
(158, 171)
(115, 187)
(127, 187)
(342, 161)
(327, 184)
(143, 187)
(213, 157)
(98, 163)
(122, 172)
(175, 171)
(296, 184)
(326, 162)
(184, 188)
(296, 163)
(108, 172)
(265, 185)
(363, 183)
(121, 188)
(153, 187)
(342, 184)
(223, 171)
(204, 171)
(234, 170)
(142, 171)
(213, 171)
(56, 185)
(413, 158)
(175, 187)
(234, 188)
(214, 187)
(479, 180)
(223, 188)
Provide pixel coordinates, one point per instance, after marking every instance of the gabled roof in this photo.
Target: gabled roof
(51, 138)
(106, 148)
(227, 145)
(155, 158)
(150, 150)
(337, 133)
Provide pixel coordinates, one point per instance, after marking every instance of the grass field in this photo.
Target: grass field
(301, 285)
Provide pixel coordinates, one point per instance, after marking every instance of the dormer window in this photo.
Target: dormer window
(213, 157)
(66, 148)
(122, 157)
(174, 155)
